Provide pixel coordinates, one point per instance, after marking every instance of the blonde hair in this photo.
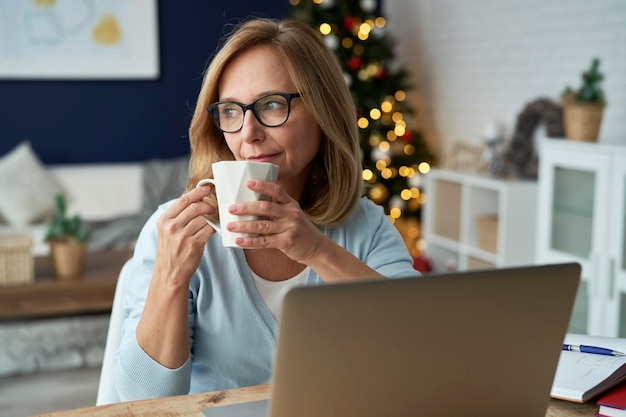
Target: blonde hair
(336, 184)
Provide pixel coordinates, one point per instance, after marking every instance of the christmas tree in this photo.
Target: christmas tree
(394, 153)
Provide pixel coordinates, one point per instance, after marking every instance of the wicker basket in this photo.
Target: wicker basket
(582, 121)
(487, 233)
(17, 266)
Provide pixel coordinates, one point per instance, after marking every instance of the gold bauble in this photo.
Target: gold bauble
(379, 193)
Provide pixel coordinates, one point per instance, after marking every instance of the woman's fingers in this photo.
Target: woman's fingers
(270, 189)
(193, 196)
(190, 205)
(185, 217)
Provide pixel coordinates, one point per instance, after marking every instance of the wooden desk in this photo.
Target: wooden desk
(47, 296)
(192, 405)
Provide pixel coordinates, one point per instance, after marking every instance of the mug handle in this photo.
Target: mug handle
(214, 225)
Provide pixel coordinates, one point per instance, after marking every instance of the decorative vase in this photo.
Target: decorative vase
(582, 121)
(68, 258)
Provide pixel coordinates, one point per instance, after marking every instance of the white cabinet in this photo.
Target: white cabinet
(477, 222)
(581, 218)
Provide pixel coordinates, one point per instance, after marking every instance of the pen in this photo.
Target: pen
(593, 349)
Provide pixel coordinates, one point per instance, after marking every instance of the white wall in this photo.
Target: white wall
(482, 61)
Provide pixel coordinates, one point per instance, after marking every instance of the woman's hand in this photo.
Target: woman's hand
(182, 235)
(282, 225)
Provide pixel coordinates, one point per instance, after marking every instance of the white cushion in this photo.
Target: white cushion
(27, 191)
(99, 192)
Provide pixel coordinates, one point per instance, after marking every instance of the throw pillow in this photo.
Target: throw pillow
(28, 191)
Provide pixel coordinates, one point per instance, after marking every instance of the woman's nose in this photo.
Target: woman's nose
(252, 129)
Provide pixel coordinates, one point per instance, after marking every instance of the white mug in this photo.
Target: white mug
(229, 180)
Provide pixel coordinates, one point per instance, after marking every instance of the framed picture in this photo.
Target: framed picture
(79, 39)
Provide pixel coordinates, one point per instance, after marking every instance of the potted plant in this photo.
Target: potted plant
(583, 109)
(68, 239)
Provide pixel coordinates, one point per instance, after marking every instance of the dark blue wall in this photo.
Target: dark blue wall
(116, 121)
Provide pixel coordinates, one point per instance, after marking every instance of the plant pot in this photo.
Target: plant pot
(68, 258)
(582, 121)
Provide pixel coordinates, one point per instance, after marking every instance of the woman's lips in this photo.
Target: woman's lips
(262, 158)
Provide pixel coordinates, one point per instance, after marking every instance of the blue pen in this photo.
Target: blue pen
(593, 349)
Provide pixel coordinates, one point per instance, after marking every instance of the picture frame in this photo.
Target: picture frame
(79, 39)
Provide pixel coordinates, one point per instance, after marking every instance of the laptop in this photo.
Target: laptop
(476, 343)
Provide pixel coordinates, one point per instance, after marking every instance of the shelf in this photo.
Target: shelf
(483, 255)
(456, 202)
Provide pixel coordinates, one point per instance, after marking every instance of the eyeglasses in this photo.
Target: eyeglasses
(271, 110)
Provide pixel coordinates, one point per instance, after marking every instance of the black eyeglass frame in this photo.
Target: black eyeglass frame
(246, 107)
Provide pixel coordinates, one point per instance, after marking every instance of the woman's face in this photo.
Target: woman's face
(292, 146)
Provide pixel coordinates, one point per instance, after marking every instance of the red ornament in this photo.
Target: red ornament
(349, 22)
(422, 264)
(407, 136)
(354, 63)
(382, 73)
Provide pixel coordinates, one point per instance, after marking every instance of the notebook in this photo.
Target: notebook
(475, 343)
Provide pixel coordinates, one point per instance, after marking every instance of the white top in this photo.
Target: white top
(273, 292)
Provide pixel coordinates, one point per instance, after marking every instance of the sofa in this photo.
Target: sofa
(113, 199)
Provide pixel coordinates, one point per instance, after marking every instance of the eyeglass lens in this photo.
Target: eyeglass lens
(271, 111)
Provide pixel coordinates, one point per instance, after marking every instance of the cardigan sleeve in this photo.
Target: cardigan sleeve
(375, 240)
(136, 374)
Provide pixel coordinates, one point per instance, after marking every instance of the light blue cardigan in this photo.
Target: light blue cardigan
(232, 333)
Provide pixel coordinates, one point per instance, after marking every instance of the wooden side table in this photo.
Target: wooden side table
(92, 293)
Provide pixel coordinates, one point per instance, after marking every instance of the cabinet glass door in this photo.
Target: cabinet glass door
(575, 200)
(572, 211)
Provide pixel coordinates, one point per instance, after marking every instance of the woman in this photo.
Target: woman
(202, 317)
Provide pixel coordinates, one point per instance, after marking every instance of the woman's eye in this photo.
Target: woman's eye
(272, 105)
(230, 112)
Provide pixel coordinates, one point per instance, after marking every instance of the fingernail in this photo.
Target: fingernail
(230, 226)
(233, 208)
(252, 183)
